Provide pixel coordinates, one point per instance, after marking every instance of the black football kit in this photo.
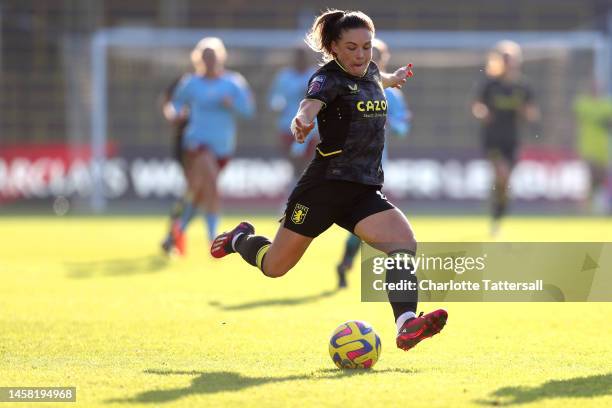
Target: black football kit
(343, 182)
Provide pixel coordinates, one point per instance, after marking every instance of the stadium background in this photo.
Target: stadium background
(89, 301)
(49, 97)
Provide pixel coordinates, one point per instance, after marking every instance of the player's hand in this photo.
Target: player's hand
(300, 130)
(481, 112)
(173, 116)
(227, 102)
(399, 77)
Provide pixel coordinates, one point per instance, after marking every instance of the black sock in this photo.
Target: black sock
(499, 209)
(253, 249)
(500, 201)
(406, 300)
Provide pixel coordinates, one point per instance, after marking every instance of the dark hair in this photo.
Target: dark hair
(328, 28)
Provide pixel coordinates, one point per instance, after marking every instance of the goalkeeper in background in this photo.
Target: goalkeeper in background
(398, 123)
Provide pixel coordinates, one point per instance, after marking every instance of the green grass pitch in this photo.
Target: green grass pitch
(88, 302)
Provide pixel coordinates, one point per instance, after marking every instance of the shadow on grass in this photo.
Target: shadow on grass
(580, 387)
(117, 267)
(227, 381)
(276, 302)
(336, 373)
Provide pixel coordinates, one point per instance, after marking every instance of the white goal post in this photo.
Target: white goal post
(150, 38)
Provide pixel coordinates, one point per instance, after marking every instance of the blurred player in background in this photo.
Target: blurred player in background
(398, 123)
(179, 123)
(594, 114)
(287, 91)
(503, 101)
(214, 98)
(342, 184)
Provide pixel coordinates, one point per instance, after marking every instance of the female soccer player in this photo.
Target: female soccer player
(214, 99)
(398, 123)
(179, 123)
(285, 96)
(504, 99)
(178, 120)
(343, 182)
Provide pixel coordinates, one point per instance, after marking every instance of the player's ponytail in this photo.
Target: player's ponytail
(328, 28)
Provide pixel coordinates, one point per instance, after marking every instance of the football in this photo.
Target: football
(354, 344)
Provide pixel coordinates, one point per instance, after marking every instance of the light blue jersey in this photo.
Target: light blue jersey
(287, 92)
(398, 116)
(211, 122)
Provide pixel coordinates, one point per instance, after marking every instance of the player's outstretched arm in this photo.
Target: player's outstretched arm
(397, 78)
(303, 122)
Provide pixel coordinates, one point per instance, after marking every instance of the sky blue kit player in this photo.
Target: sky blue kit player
(286, 94)
(212, 121)
(214, 98)
(398, 116)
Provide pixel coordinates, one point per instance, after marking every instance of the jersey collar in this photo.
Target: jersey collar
(360, 76)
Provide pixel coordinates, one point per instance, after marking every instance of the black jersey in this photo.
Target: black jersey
(505, 101)
(351, 125)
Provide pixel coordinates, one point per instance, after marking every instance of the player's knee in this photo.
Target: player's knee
(275, 271)
(214, 188)
(406, 242)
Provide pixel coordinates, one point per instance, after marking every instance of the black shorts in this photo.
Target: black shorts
(506, 152)
(312, 210)
(505, 148)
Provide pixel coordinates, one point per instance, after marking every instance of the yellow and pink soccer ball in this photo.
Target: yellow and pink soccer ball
(354, 344)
